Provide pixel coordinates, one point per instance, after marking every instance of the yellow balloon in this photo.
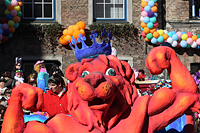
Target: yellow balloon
(17, 8)
(161, 32)
(6, 12)
(184, 37)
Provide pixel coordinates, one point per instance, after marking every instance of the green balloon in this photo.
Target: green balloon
(11, 23)
(10, 0)
(7, 2)
(160, 39)
(170, 34)
(198, 35)
(188, 46)
(16, 25)
(10, 35)
(149, 36)
(19, 13)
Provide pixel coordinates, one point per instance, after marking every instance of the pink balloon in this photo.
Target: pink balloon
(13, 13)
(143, 34)
(14, 3)
(5, 26)
(1, 37)
(179, 34)
(189, 41)
(144, 14)
(198, 41)
(189, 34)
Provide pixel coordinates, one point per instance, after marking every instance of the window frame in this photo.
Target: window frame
(54, 11)
(193, 7)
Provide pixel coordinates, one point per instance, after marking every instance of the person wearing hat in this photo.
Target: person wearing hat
(55, 69)
(39, 65)
(6, 96)
(8, 79)
(17, 66)
(2, 87)
(18, 76)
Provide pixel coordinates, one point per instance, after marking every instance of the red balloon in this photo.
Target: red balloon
(155, 25)
(4, 39)
(143, 34)
(189, 34)
(143, 9)
(4, 20)
(179, 45)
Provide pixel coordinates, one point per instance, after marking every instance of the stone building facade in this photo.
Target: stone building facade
(172, 15)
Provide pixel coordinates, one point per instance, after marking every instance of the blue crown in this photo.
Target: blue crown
(95, 49)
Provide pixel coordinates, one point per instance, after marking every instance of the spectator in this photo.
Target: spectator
(141, 76)
(8, 79)
(4, 99)
(55, 100)
(38, 65)
(2, 87)
(18, 76)
(17, 66)
(32, 79)
(55, 69)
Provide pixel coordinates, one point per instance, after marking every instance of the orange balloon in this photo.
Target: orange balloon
(156, 34)
(194, 37)
(76, 33)
(143, 24)
(65, 32)
(68, 38)
(11, 29)
(152, 30)
(81, 24)
(82, 32)
(63, 41)
(70, 27)
(146, 39)
(144, 3)
(146, 30)
(76, 27)
(16, 19)
(19, 3)
(70, 32)
(156, 4)
(154, 9)
(10, 7)
(165, 36)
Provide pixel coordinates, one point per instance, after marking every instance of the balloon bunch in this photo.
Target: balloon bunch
(151, 34)
(72, 30)
(11, 21)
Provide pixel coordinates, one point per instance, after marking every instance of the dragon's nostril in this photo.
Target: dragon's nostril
(94, 79)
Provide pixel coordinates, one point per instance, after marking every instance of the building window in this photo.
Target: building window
(39, 9)
(195, 9)
(110, 10)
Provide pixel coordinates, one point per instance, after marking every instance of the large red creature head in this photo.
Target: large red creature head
(103, 88)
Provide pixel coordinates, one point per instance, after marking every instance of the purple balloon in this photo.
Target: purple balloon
(150, 14)
(13, 13)
(5, 26)
(6, 32)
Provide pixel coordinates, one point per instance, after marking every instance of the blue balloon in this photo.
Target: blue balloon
(153, 19)
(10, 35)
(9, 17)
(16, 25)
(170, 34)
(173, 32)
(156, 14)
(175, 37)
(150, 25)
(184, 33)
(147, 8)
(198, 47)
(154, 40)
(0, 26)
(183, 44)
(6, 32)
(160, 39)
(142, 28)
(7, 2)
(151, 3)
(146, 19)
(1, 31)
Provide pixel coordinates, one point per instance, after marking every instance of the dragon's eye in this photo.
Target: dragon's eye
(85, 73)
(111, 72)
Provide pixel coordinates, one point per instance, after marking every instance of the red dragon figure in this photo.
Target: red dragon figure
(102, 97)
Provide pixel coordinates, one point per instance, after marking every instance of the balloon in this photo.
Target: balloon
(7, 2)
(153, 19)
(184, 37)
(188, 46)
(156, 24)
(198, 47)
(174, 44)
(142, 8)
(144, 3)
(13, 12)
(19, 13)
(151, 3)
(165, 31)
(76, 27)
(9, 17)
(170, 34)
(146, 39)
(11, 23)
(16, 19)
(156, 34)
(82, 32)
(152, 30)
(17, 8)
(147, 0)
(150, 25)
(4, 39)
(146, 19)
(20, 3)
(0, 26)
(189, 41)
(1, 31)
(165, 36)
(6, 32)
(5, 26)
(194, 45)
(10, 35)
(179, 34)
(170, 40)
(160, 39)
(155, 14)
(147, 8)
(141, 18)
(189, 34)
(76, 33)
(198, 41)
(16, 25)
(183, 44)
(173, 32)
(81, 24)
(143, 34)
(175, 37)
(11, 29)
(142, 28)
(150, 14)
(68, 38)
(65, 31)
(14, 3)
(70, 27)
(62, 40)
(143, 25)
(1, 36)
(198, 35)
(154, 40)
(183, 32)
(149, 36)
(154, 0)
(10, 7)
(144, 14)
(161, 32)
(4, 20)
(154, 9)
(194, 37)
(146, 30)
(6, 12)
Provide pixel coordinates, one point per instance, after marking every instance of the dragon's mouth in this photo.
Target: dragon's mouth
(98, 104)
